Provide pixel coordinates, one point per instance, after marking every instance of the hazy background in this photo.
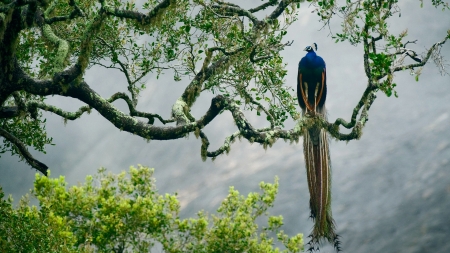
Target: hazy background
(391, 189)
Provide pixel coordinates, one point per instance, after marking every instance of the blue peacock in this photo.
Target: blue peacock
(311, 94)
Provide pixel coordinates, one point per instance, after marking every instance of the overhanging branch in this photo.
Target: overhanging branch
(22, 150)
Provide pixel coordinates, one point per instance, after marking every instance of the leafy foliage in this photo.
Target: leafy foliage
(124, 212)
(27, 229)
(28, 127)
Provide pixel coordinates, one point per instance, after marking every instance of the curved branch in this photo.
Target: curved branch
(263, 6)
(24, 152)
(280, 9)
(133, 112)
(124, 122)
(356, 126)
(266, 137)
(423, 61)
(364, 100)
(63, 47)
(33, 105)
(224, 148)
(142, 18)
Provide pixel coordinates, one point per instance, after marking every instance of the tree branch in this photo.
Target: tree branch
(423, 61)
(133, 112)
(280, 9)
(263, 6)
(24, 152)
(143, 19)
(231, 10)
(32, 105)
(224, 148)
(124, 122)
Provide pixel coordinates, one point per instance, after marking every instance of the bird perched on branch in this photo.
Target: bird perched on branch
(311, 94)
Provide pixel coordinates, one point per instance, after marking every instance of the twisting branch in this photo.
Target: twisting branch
(193, 90)
(263, 6)
(255, 59)
(224, 148)
(365, 98)
(280, 9)
(84, 93)
(423, 61)
(143, 19)
(133, 112)
(63, 47)
(33, 105)
(355, 125)
(21, 148)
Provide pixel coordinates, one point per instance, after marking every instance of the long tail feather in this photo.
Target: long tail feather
(318, 170)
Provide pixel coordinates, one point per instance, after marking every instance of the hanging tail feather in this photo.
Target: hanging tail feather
(318, 170)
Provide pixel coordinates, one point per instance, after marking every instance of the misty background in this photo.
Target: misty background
(391, 189)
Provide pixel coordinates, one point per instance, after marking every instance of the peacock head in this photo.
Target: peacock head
(311, 48)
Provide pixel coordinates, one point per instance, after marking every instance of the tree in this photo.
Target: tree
(211, 46)
(119, 213)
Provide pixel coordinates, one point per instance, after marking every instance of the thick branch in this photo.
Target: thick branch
(138, 16)
(32, 105)
(280, 9)
(24, 152)
(263, 6)
(124, 122)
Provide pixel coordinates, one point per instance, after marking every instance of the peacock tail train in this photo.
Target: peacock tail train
(318, 171)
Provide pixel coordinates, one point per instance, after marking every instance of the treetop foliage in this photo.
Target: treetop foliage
(125, 213)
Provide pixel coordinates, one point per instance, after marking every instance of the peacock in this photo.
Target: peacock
(311, 94)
